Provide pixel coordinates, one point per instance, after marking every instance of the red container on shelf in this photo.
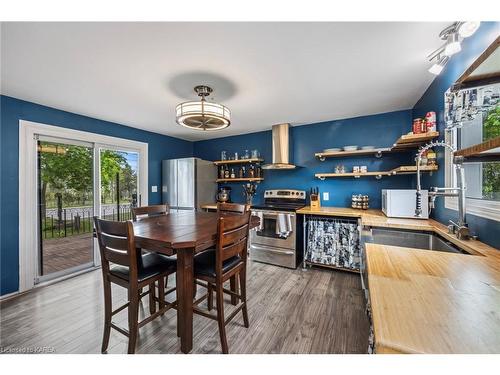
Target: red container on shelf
(418, 126)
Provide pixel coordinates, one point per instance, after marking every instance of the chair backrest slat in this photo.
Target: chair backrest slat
(116, 243)
(148, 211)
(233, 207)
(234, 249)
(232, 236)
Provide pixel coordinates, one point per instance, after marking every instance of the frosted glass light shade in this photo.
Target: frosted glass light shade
(202, 115)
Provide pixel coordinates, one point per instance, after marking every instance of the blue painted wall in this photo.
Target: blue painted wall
(12, 110)
(433, 100)
(377, 130)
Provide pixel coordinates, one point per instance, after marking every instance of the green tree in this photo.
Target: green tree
(68, 169)
(112, 162)
(491, 171)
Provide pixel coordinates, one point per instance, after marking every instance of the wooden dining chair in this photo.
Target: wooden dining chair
(233, 207)
(236, 208)
(148, 211)
(227, 260)
(139, 213)
(124, 265)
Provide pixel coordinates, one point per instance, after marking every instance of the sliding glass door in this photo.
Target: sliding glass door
(77, 180)
(65, 207)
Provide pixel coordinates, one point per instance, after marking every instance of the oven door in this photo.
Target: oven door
(268, 234)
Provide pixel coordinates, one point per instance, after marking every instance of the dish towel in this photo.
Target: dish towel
(284, 225)
(260, 215)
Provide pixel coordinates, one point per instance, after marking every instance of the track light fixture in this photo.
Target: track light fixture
(452, 35)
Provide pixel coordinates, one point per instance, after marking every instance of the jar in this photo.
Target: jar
(431, 157)
(255, 154)
(423, 158)
(418, 125)
(246, 155)
(223, 155)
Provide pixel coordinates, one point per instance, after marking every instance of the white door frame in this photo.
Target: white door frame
(28, 222)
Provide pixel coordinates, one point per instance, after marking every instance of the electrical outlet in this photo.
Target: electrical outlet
(154, 189)
(326, 196)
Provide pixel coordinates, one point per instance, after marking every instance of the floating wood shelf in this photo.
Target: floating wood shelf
(413, 140)
(239, 161)
(404, 143)
(406, 169)
(489, 149)
(373, 151)
(249, 179)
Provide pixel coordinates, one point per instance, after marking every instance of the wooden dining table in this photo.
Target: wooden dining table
(184, 233)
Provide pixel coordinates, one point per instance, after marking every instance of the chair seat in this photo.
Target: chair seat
(204, 263)
(151, 265)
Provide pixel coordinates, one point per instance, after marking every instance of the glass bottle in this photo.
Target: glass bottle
(226, 173)
(232, 173)
(223, 155)
(221, 172)
(251, 172)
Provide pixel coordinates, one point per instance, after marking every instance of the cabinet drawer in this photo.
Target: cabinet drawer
(279, 257)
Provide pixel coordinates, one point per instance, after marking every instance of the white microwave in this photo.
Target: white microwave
(402, 203)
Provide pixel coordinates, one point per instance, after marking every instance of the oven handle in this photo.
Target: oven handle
(288, 252)
(275, 213)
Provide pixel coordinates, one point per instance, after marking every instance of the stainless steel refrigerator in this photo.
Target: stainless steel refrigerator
(188, 183)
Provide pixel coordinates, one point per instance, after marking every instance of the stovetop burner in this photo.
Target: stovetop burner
(282, 200)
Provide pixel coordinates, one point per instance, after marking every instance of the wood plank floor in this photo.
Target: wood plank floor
(67, 252)
(290, 311)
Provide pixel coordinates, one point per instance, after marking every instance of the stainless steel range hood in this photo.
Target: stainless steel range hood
(282, 148)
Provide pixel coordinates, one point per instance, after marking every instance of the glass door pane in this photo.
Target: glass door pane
(65, 207)
(119, 181)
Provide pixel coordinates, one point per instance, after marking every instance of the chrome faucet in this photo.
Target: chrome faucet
(460, 229)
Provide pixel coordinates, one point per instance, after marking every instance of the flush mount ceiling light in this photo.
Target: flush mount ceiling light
(202, 115)
(452, 35)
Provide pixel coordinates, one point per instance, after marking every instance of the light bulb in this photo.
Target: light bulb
(468, 28)
(453, 45)
(436, 69)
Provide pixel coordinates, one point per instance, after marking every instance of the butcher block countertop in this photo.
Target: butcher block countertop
(429, 301)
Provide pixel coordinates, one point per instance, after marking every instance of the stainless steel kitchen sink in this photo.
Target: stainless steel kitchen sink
(413, 239)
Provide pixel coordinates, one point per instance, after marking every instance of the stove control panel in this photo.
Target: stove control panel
(285, 194)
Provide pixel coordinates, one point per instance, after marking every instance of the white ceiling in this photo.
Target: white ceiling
(266, 73)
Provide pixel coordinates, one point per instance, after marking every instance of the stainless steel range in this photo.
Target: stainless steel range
(276, 240)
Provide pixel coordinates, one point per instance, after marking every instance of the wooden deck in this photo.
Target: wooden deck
(290, 311)
(66, 252)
